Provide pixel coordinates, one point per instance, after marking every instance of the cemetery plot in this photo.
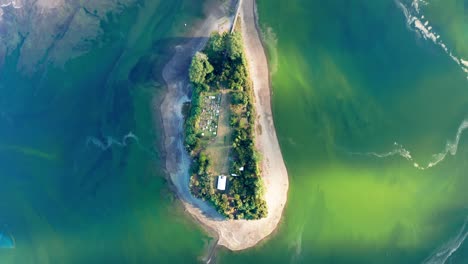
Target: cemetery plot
(209, 117)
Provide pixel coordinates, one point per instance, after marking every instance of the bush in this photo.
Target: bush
(223, 64)
(239, 98)
(234, 46)
(199, 68)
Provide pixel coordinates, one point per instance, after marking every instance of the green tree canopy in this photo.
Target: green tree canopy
(215, 45)
(239, 98)
(200, 68)
(222, 65)
(234, 45)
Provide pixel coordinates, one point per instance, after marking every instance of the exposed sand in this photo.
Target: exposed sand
(233, 234)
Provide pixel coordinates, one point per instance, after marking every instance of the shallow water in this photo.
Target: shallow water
(82, 182)
(376, 151)
(81, 178)
(6, 241)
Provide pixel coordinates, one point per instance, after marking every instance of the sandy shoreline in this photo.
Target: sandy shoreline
(238, 234)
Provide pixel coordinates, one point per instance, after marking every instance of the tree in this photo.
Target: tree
(215, 45)
(222, 65)
(234, 45)
(200, 68)
(239, 98)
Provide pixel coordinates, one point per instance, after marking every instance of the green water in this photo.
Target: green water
(350, 78)
(354, 76)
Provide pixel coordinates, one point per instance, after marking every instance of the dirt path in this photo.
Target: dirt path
(238, 234)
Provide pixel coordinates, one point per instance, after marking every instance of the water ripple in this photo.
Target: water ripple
(418, 23)
(451, 147)
(110, 141)
(445, 251)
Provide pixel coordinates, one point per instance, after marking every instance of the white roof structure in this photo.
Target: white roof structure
(222, 182)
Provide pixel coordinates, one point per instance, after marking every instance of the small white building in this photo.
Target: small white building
(222, 182)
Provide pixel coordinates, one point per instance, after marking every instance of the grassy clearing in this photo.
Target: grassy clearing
(219, 147)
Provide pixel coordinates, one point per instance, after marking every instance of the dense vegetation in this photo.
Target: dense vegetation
(222, 66)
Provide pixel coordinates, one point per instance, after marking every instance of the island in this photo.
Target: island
(220, 130)
(203, 148)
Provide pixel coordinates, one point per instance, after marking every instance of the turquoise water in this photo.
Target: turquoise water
(74, 188)
(81, 176)
(6, 241)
